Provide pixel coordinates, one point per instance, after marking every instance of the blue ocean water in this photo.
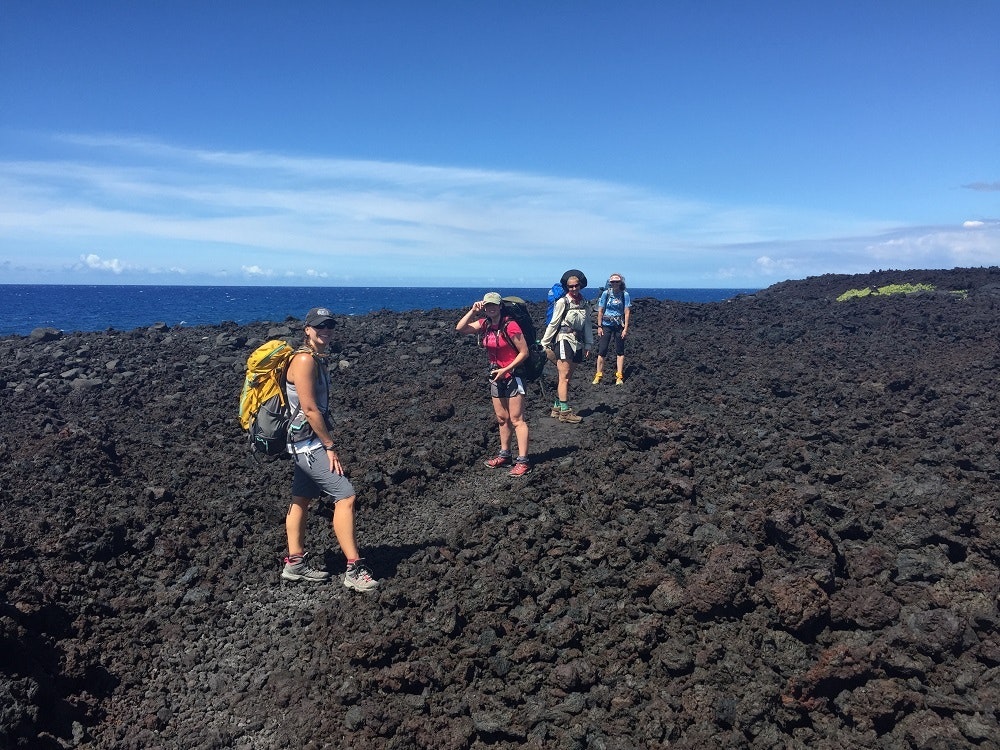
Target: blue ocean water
(97, 308)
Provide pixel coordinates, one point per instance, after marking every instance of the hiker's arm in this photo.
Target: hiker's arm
(302, 373)
(588, 332)
(628, 316)
(600, 316)
(467, 324)
(553, 327)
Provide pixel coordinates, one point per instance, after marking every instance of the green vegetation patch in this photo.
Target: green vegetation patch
(884, 290)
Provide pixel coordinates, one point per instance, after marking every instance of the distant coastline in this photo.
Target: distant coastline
(73, 307)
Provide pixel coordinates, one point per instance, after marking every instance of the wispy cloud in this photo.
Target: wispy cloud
(128, 207)
(983, 187)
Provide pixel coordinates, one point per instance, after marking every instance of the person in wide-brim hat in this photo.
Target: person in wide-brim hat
(568, 339)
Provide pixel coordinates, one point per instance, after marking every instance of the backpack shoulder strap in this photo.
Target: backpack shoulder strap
(565, 309)
(503, 330)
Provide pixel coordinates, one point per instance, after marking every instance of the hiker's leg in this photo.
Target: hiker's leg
(565, 369)
(500, 408)
(620, 351)
(515, 408)
(603, 343)
(343, 527)
(316, 465)
(295, 524)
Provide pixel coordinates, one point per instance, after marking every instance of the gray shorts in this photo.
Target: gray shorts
(507, 388)
(313, 477)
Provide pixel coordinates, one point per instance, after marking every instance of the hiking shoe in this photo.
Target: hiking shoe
(520, 469)
(297, 569)
(497, 461)
(619, 378)
(359, 577)
(556, 411)
(567, 415)
(597, 378)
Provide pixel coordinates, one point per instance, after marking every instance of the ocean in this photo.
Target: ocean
(24, 307)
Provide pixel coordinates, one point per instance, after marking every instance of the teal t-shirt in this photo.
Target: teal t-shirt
(614, 308)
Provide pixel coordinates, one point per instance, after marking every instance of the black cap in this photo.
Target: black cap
(318, 316)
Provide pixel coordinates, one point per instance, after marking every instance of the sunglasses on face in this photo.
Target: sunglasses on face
(615, 281)
(324, 327)
(572, 286)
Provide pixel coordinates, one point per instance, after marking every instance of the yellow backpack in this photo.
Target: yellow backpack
(263, 402)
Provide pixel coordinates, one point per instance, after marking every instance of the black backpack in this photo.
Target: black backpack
(516, 309)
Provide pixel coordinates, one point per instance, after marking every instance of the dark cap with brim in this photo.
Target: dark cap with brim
(318, 316)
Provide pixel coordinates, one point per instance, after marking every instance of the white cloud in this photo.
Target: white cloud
(99, 264)
(94, 262)
(241, 214)
(769, 265)
(256, 271)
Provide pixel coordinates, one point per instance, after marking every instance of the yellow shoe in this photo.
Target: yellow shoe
(619, 378)
(597, 378)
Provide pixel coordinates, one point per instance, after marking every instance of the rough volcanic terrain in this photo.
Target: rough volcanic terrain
(781, 532)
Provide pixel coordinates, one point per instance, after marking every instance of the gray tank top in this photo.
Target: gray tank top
(299, 430)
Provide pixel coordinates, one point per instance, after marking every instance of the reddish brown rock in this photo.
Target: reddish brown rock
(782, 531)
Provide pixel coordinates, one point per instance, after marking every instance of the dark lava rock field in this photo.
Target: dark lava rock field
(783, 531)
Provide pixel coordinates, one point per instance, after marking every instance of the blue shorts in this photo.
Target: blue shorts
(313, 477)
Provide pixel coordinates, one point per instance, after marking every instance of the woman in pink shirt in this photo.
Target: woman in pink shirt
(506, 348)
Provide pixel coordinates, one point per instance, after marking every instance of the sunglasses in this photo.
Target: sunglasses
(572, 286)
(328, 326)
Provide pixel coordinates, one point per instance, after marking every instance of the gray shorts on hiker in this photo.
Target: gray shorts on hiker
(506, 388)
(313, 477)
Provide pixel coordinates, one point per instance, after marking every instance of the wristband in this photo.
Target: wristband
(328, 448)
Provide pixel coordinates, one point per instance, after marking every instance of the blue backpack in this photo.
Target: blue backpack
(554, 293)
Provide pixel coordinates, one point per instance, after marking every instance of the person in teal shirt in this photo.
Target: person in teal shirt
(613, 316)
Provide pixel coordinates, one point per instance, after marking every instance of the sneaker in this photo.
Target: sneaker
(297, 569)
(359, 577)
(619, 378)
(567, 415)
(597, 378)
(497, 461)
(520, 469)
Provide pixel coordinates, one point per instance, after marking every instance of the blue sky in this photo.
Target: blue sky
(701, 143)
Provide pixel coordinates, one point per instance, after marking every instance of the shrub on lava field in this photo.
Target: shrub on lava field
(884, 290)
